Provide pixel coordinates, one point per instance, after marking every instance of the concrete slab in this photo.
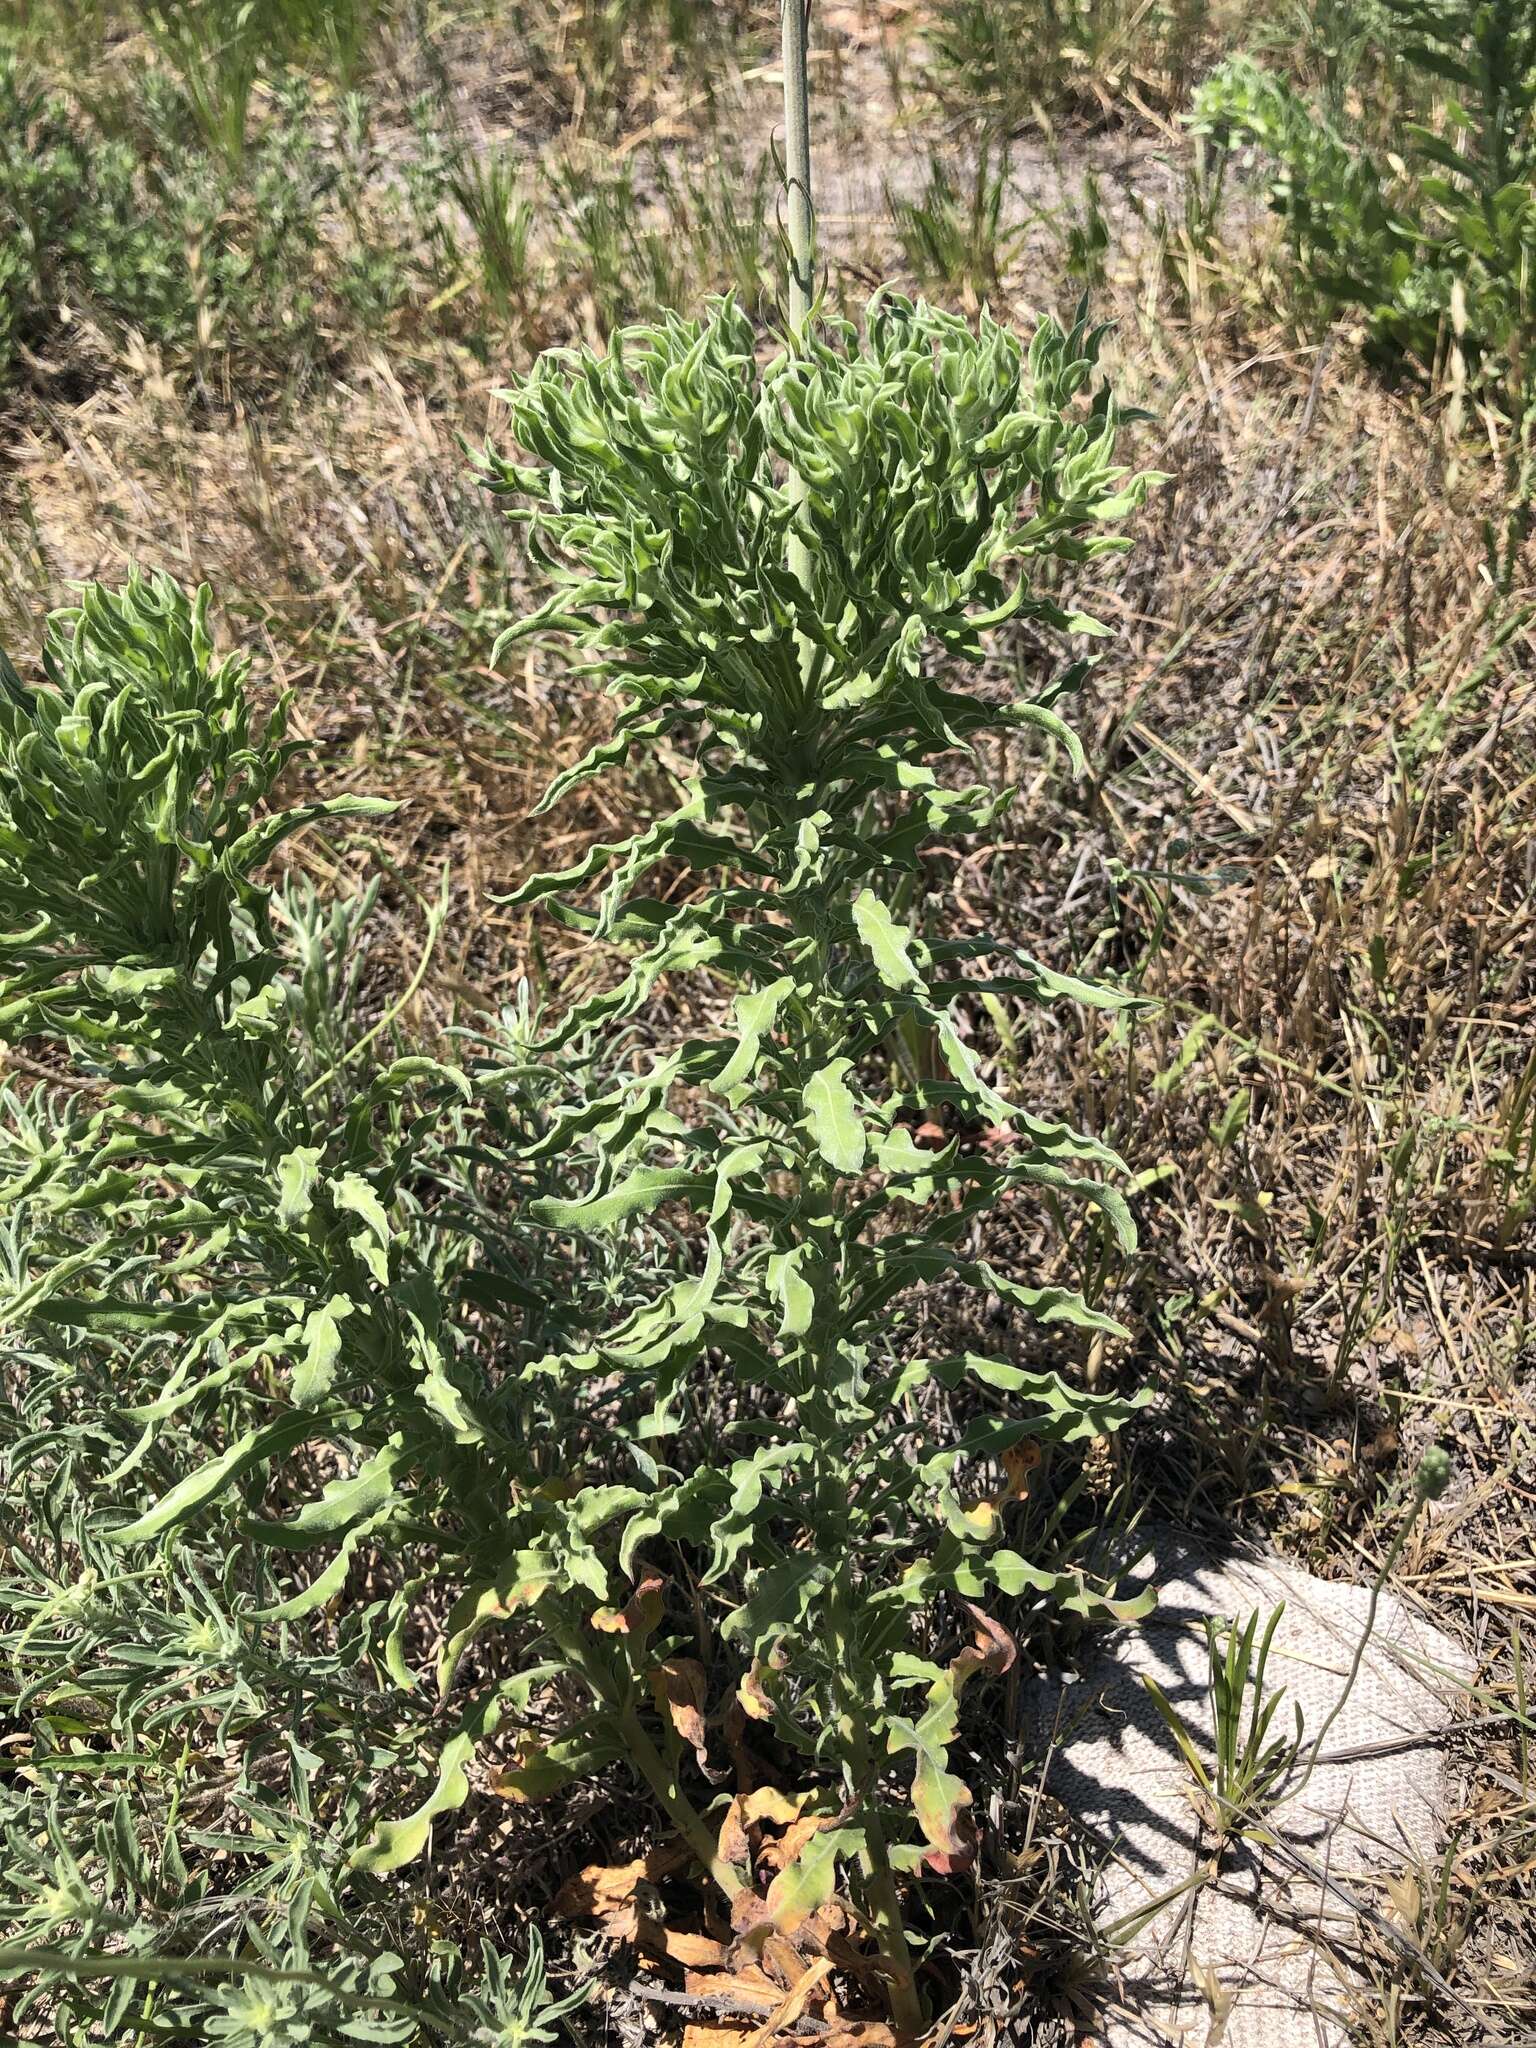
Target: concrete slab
(1267, 1943)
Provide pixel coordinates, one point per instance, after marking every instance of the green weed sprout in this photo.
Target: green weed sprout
(1249, 1762)
(1251, 1767)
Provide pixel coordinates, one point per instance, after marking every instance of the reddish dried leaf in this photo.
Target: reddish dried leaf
(749, 1811)
(693, 1951)
(992, 1651)
(734, 1846)
(747, 1986)
(774, 1855)
(859, 2034)
(825, 1929)
(749, 1915)
(1020, 1462)
(639, 1614)
(958, 1855)
(753, 1699)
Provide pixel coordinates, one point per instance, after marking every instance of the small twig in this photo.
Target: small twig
(717, 2002)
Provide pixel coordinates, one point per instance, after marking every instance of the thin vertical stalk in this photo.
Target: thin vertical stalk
(660, 1775)
(795, 16)
(689, 1822)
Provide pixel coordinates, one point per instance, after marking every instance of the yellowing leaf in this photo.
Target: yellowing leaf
(705, 2034)
(605, 1891)
(639, 1614)
(806, 1884)
(756, 1701)
(750, 1810)
(679, 1686)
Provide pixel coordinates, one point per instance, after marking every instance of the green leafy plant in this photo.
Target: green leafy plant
(1430, 234)
(277, 1997)
(1086, 237)
(115, 218)
(345, 1358)
(262, 1277)
(628, 262)
(501, 218)
(219, 49)
(72, 225)
(723, 212)
(1336, 46)
(1250, 1766)
(906, 464)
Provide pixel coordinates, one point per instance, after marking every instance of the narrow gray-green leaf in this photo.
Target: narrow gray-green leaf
(199, 1487)
(646, 1188)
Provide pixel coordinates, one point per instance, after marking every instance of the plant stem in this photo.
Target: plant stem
(882, 1901)
(685, 1816)
(885, 1911)
(649, 1761)
(795, 18)
(795, 15)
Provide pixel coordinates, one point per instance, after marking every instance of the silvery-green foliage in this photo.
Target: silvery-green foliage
(117, 212)
(133, 823)
(931, 472)
(278, 1992)
(261, 1280)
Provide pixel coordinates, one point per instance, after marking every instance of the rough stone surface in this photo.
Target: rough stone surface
(1276, 1938)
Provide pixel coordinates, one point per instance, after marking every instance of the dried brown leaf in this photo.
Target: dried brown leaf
(680, 1686)
(605, 1891)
